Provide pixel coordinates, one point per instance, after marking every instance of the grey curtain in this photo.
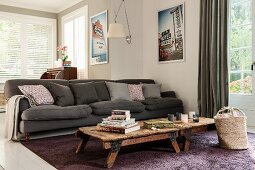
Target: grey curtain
(213, 59)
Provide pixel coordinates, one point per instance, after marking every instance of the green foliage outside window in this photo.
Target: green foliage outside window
(240, 46)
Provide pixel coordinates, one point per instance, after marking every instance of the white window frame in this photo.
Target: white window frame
(27, 19)
(83, 11)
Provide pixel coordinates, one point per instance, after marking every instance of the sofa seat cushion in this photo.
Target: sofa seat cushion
(106, 107)
(162, 103)
(53, 112)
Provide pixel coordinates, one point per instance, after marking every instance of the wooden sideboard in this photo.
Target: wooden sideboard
(67, 73)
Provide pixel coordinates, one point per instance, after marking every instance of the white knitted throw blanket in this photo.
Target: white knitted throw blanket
(12, 117)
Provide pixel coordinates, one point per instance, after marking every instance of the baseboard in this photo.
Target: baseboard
(251, 129)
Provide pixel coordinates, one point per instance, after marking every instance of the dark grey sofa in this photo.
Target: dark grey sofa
(52, 117)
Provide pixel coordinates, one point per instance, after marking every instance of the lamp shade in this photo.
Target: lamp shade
(116, 30)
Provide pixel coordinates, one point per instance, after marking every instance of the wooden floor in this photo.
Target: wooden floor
(14, 156)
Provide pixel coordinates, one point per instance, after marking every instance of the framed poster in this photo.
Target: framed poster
(171, 34)
(98, 38)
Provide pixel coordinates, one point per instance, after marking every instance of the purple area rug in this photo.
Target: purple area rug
(204, 154)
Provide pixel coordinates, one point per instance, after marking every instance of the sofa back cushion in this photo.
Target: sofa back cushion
(152, 90)
(84, 93)
(62, 95)
(118, 91)
(102, 91)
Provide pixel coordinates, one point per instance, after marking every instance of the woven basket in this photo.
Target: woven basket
(231, 128)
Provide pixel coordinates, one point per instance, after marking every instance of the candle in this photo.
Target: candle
(178, 116)
(191, 114)
(196, 118)
(171, 117)
(185, 118)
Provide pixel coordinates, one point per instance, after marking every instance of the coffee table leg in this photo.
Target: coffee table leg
(173, 141)
(115, 148)
(83, 143)
(187, 135)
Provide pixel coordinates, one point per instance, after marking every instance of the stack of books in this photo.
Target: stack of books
(67, 63)
(119, 122)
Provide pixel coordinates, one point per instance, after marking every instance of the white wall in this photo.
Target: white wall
(94, 6)
(126, 59)
(180, 77)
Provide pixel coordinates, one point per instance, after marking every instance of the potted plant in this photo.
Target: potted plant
(63, 54)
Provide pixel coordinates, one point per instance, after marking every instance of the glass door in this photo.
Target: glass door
(241, 52)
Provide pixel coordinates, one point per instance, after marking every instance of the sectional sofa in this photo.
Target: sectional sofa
(53, 117)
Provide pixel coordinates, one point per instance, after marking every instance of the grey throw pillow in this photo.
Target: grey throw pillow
(62, 95)
(118, 91)
(84, 93)
(102, 91)
(152, 90)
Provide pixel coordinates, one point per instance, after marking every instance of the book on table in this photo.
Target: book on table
(118, 122)
(107, 121)
(121, 114)
(115, 129)
(158, 123)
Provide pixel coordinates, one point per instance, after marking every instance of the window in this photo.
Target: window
(74, 26)
(27, 46)
(240, 47)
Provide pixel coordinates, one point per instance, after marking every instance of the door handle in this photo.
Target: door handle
(253, 63)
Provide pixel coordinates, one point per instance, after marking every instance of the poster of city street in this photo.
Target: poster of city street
(171, 34)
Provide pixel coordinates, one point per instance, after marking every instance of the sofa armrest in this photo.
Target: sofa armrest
(23, 105)
(168, 94)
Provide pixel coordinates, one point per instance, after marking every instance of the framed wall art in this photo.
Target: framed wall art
(98, 38)
(171, 34)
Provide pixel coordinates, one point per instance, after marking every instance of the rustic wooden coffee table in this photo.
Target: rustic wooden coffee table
(115, 141)
(187, 129)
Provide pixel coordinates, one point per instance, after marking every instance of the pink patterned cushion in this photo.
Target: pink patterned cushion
(136, 92)
(37, 94)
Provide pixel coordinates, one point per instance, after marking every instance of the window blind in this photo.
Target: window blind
(26, 48)
(38, 51)
(10, 50)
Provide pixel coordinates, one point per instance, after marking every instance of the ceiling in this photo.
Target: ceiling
(54, 6)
